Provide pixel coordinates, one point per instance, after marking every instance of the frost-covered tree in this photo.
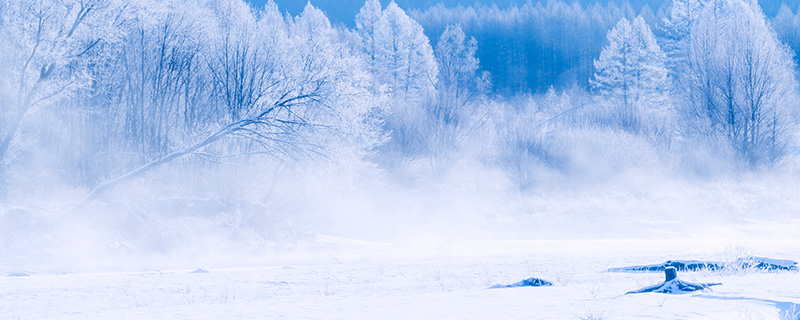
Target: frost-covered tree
(160, 83)
(371, 26)
(399, 53)
(458, 82)
(402, 64)
(737, 81)
(459, 86)
(278, 87)
(245, 56)
(48, 47)
(342, 107)
(631, 71)
(677, 28)
(411, 64)
(787, 24)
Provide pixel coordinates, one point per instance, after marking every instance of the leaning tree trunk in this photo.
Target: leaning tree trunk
(265, 118)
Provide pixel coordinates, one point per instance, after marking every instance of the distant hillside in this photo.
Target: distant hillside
(344, 11)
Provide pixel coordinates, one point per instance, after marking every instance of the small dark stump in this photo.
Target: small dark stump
(673, 285)
(530, 282)
(670, 273)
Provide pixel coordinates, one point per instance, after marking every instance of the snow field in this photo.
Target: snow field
(446, 281)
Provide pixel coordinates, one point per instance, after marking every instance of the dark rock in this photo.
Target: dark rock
(530, 282)
(766, 263)
(679, 265)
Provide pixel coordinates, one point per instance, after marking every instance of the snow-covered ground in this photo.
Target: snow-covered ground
(337, 278)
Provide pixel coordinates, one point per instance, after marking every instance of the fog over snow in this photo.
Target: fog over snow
(208, 159)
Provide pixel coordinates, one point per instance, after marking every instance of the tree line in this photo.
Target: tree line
(96, 93)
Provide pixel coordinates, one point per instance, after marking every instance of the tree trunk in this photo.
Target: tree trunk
(670, 273)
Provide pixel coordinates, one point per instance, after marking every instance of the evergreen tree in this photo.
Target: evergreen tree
(411, 66)
(677, 28)
(630, 70)
(397, 52)
(458, 84)
(371, 27)
(401, 60)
